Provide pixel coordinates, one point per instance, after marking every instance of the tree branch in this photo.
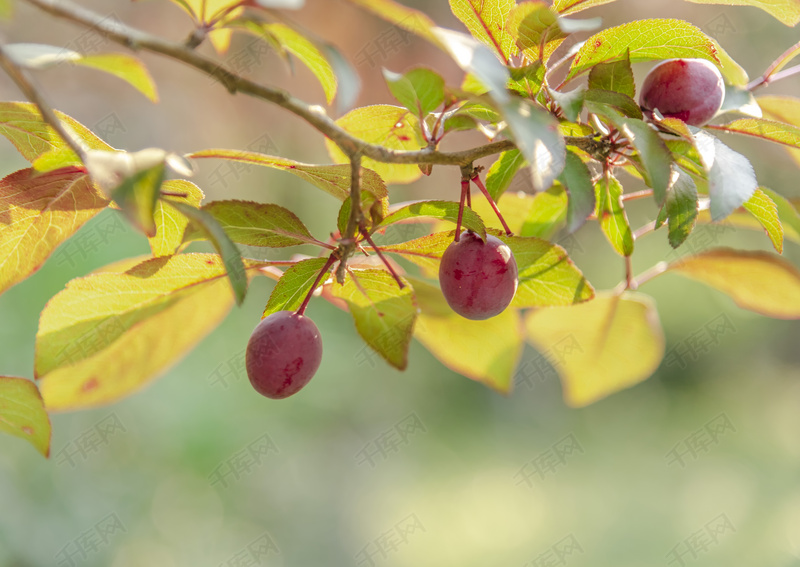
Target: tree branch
(316, 116)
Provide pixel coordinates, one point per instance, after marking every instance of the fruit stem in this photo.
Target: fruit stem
(331, 259)
(383, 258)
(479, 183)
(464, 192)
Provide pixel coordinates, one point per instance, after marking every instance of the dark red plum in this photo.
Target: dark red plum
(478, 279)
(283, 354)
(691, 90)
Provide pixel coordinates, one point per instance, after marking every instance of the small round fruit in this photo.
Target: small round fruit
(283, 354)
(478, 279)
(689, 89)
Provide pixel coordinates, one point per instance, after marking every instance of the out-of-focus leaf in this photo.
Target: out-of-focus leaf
(615, 76)
(570, 102)
(784, 109)
(425, 251)
(779, 132)
(645, 40)
(106, 335)
(38, 55)
(577, 179)
(39, 212)
(566, 7)
(22, 124)
(6, 9)
(764, 209)
(755, 280)
(446, 210)
(787, 213)
(740, 99)
(534, 26)
(384, 314)
(257, 224)
(126, 67)
(486, 20)
(171, 224)
(547, 213)
(607, 103)
(537, 137)
(295, 284)
(600, 347)
(527, 81)
(347, 79)
(211, 229)
(547, 276)
(22, 413)
(137, 196)
(393, 127)
(333, 179)
(402, 16)
(612, 217)
(502, 172)
(420, 90)
(731, 179)
(462, 345)
(786, 11)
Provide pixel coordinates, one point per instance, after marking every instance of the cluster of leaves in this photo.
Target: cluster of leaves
(108, 333)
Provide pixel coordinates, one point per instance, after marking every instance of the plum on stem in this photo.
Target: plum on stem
(691, 90)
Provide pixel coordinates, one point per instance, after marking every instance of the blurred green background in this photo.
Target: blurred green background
(370, 466)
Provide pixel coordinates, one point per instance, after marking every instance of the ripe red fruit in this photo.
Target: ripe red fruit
(478, 279)
(689, 89)
(283, 354)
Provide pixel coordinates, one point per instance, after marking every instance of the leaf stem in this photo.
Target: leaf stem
(477, 180)
(383, 258)
(773, 72)
(651, 273)
(461, 202)
(331, 259)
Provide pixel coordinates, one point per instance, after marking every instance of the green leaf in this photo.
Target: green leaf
(126, 67)
(207, 224)
(616, 76)
(526, 81)
(534, 27)
(383, 313)
(681, 208)
(786, 11)
(333, 179)
(764, 209)
(755, 280)
(577, 179)
(446, 210)
(257, 224)
(547, 276)
(171, 224)
(39, 212)
(612, 217)
(502, 172)
(608, 103)
(295, 284)
(537, 137)
(570, 102)
(374, 211)
(22, 124)
(137, 196)
(601, 347)
(462, 345)
(645, 40)
(106, 335)
(567, 7)
(547, 213)
(6, 9)
(22, 413)
(425, 252)
(390, 126)
(420, 90)
(779, 132)
(485, 20)
(731, 179)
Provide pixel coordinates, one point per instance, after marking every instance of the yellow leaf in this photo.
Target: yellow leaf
(22, 413)
(126, 67)
(599, 347)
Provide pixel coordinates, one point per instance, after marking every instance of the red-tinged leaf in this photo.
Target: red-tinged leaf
(333, 179)
(462, 345)
(786, 11)
(778, 132)
(384, 313)
(37, 213)
(758, 281)
(645, 40)
(485, 20)
(600, 347)
(23, 125)
(22, 413)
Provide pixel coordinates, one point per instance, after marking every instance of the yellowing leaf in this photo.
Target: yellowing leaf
(333, 179)
(384, 314)
(787, 11)
(294, 285)
(171, 224)
(485, 351)
(766, 129)
(37, 213)
(485, 20)
(22, 413)
(566, 7)
(126, 67)
(599, 347)
(784, 109)
(533, 25)
(22, 124)
(765, 211)
(647, 40)
(758, 281)
(390, 126)
(401, 16)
